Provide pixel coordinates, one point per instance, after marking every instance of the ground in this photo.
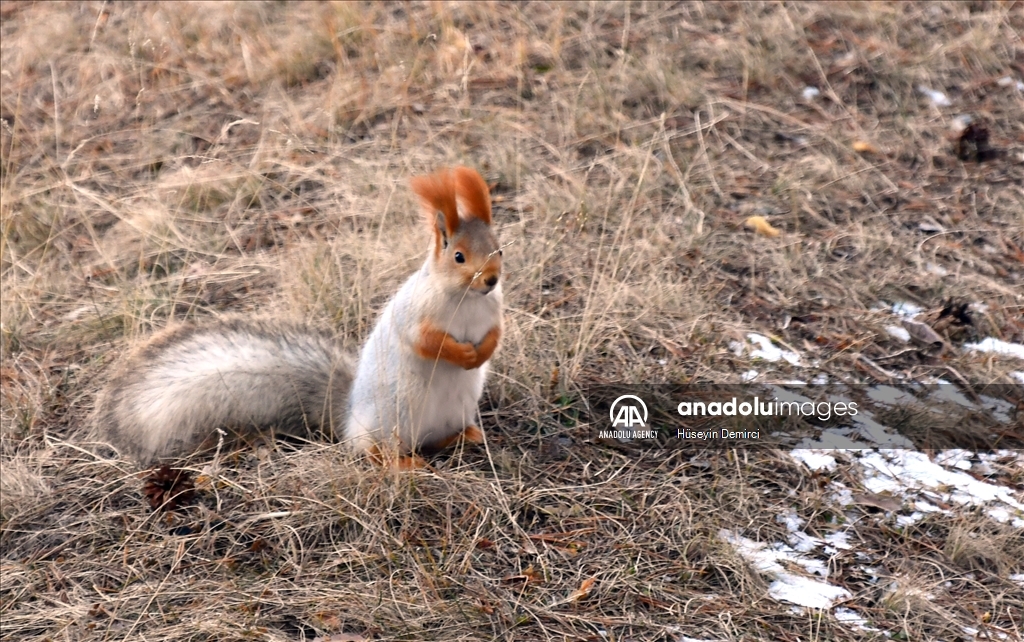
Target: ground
(166, 162)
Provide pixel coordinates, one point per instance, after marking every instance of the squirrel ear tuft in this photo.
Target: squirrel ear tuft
(437, 195)
(472, 192)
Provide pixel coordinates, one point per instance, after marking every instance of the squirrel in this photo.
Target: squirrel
(417, 384)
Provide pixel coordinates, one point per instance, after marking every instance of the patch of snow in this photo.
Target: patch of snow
(874, 572)
(889, 396)
(879, 434)
(906, 310)
(786, 395)
(1007, 81)
(936, 269)
(814, 459)
(791, 520)
(961, 122)
(955, 457)
(907, 520)
(820, 379)
(1000, 408)
(901, 471)
(926, 507)
(804, 543)
(749, 375)
(788, 587)
(998, 346)
(852, 618)
(769, 352)
(833, 439)
(806, 591)
(839, 540)
(1018, 578)
(810, 93)
(841, 494)
(899, 332)
(1019, 376)
(950, 393)
(937, 98)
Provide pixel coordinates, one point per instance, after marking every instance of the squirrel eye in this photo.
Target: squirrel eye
(459, 258)
(499, 252)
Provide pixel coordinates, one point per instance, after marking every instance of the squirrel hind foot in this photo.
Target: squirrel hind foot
(385, 458)
(472, 435)
(469, 435)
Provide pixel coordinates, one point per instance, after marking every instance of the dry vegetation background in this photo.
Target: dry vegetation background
(183, 161)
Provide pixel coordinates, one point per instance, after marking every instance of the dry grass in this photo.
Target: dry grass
(176, 160)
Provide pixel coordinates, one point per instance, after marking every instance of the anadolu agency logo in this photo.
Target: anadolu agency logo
(628, 415)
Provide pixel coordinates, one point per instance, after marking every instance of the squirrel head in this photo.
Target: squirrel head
(457, 205)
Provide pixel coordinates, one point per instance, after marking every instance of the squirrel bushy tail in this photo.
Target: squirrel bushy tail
(186, 384)
(420, 377)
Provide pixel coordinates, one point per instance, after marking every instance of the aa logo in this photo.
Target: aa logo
(628, 414)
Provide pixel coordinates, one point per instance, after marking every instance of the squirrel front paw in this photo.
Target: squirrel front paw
(434, 343)
(487, 346)
(466, 355)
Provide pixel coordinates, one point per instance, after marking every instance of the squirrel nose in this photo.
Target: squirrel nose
(491, 281)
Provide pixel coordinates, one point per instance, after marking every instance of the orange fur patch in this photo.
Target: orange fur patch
(437, 194)
(472, 190)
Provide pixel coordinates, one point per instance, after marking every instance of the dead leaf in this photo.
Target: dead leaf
(923, 334)
(761, 225)
(886, 503)
(341, 637)
(864, 147)
(330, 620)
(584, 590)
(530, 575)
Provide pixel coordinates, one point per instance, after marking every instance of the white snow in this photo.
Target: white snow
(1000, 408)
(791, 520)
(815, 459)
(809, 93)
(936, 269)
(788, 587)
(906, 310)
(839, 540)
(937, 98)
(854, 619)
(997, 346)
(889, 396)
(950, 393)
(899, 472)
(1007, 81)
(786, 395)
(874, 460)
(769, 352)
(879, 434)
(806, 591)
(899, 332)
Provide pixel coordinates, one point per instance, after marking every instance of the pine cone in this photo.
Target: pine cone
(169, 488)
